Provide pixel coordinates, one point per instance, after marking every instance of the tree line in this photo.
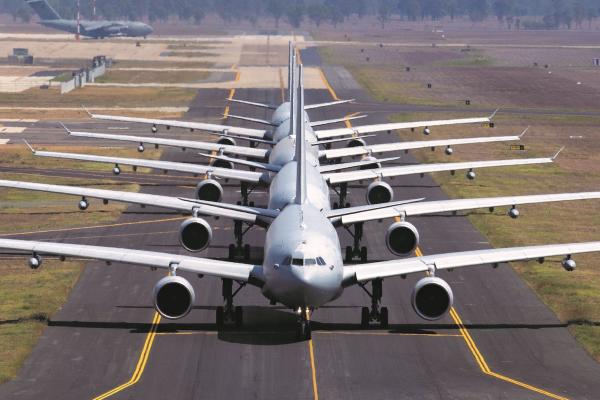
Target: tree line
(554, 13)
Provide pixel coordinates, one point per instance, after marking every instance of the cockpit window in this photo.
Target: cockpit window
(297, 261)
(320, 261)
(287, 260)
(309, 261)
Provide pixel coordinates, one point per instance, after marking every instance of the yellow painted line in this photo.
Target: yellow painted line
(483, 365)
(234, 66)
(237, 76)
(95, 226)
(298, 57)
(141, 364)
(226, 112)
(327, 85)
(311, 351)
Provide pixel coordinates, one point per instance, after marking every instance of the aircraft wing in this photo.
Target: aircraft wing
(205, 266)
(182, 144)
(257, 133)
(385, 269)
(226, 173)
(247, 214)
(358, 214)
(356, 130)
(327, 104)
(339, 177)
(399, 146)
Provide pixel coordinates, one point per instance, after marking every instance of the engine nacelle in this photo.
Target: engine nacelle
(426, 131)
(356, 142)
(568, 264)
(227, 141)
(195, 234)
(173, 297)
(432, 298)
(402, 238)
(379, 192)
(374, 165)
(209, 190)
(222, 164)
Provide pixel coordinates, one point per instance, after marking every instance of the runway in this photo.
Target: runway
(500, 341)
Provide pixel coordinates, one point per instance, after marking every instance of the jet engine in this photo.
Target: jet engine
(173, 297)
(227, 141)
(195, 234)
(209, 190)
(222, 164)
(402, 238)
(432, 298)
(356, 142)
(379, 192)
(374, 165)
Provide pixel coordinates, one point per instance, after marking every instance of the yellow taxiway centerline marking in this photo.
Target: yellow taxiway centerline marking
(311, 351)
(141, 364)
(463, 330)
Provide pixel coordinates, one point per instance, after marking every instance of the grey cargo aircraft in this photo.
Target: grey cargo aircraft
(95, 29)
(303, 266)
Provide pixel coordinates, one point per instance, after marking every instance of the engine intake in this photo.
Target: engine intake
(432, 298)
(356, 142)
(379, 192)
(402, 238)
(195, 234)
(227, 141)
(222, 164)
(173, 297)
(209, 190)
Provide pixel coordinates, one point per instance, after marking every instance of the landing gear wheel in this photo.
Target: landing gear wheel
(348, 253)
(335, 206)
(364, 317)
(363, 254)
(383, 317)
(220, 317)
(231, 251)
(347, 205)
(239, 317)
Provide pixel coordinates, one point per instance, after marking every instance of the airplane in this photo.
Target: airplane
(95, 29)
(303, 266)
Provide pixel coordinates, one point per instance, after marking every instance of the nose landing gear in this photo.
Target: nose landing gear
(356, 250)
(303, 331)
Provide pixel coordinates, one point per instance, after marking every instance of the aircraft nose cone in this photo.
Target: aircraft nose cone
(316, 284)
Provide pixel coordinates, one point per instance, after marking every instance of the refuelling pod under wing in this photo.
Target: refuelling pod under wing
(432, 298)
(209, 190)
(379, 192)
(195, 234)
(402, 238)
(173, 297)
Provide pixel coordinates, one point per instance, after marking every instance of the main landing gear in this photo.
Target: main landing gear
(245, 191)
(376, 313)
(228, 314)
(303, 331)
(239, 249)
(356, 250)
(342, 196)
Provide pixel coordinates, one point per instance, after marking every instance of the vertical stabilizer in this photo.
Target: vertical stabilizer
(300, 141)
(43, 10)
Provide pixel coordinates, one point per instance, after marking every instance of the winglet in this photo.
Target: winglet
(523, 133)
(87, 111)
(492, 115)
(28, 145)
(557, 153)
(65, 128)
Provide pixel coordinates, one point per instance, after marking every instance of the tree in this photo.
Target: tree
(317, 13)
(502, 9)
(295, 13)
(276, 8)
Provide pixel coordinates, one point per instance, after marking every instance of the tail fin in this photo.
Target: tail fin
(43, 9)
(301, 187)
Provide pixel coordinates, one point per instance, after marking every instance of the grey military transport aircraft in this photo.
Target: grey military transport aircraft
(95, 29)
(303, 266)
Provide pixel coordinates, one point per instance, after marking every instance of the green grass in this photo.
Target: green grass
(472, 58)
(153, 76)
